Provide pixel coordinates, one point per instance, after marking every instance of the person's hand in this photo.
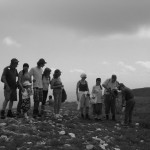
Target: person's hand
(34, 80)
(123, 109)
(7, 88)
(23, 89)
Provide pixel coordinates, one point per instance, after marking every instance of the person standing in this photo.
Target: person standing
(26, 103)
(82, 93)
(128, 103)
(36, 73)
(57, 87)
(110, 91)
(97, 96)
(23, 76)
(46, 82)
(8, 77)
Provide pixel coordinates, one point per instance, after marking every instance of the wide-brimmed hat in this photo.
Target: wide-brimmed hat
(26, 83)
(14, 60)
(83, 75)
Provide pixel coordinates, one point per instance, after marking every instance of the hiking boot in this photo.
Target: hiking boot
(2, 114)
(87, 117)
(107, 117)
(113, 118)
(82, 116)
(10, 114)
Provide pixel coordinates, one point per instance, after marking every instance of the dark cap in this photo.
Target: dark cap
(57, 71)
(42, 61)
(121, 85)
(14, 60)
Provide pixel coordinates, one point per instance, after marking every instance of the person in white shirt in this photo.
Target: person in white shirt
(97, 96)
(110, 94)
(46, 82)
(36, 73)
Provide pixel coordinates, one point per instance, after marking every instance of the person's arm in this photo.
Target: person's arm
(77, 87)
(3, 79)
(105, 85)
(19, 79)
(93, 92)
(123, 99)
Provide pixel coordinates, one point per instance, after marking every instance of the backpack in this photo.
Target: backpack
(64, 95)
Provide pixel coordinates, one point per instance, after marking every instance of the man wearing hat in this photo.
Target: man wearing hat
(128, 103)
(110, 85)
(36, 73)
(8, 77)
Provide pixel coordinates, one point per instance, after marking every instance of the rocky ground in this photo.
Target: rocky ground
(70, 133)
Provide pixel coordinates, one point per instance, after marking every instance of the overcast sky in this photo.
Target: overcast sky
(98, 37)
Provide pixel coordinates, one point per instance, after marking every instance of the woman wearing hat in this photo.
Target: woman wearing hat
(82, 92)
(57, 87)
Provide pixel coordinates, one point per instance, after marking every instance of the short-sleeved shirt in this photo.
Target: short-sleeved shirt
(46, 83)
(97, 91)
(110, 85)
(10, 75)
(127, 94)
(37, 76)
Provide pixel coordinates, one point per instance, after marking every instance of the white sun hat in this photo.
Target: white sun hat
(83, 75)
(26, 83)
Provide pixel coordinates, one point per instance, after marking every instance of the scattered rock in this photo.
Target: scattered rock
(89, 147)
(72, 135)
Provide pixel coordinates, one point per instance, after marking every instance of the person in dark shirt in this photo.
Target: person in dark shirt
(8, 77)
(128, 103)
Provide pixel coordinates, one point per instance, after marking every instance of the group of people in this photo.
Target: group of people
(35, 82)
(111, 88)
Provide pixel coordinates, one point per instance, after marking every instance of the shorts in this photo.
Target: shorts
(10, 95)
(84, 100)
(38, 94)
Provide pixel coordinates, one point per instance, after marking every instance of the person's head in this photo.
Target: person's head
(98, 81)
(57, 73)
(121, 86)
(50, 97)
(26, 84)
(47, 72)
(83, 76)
(41, 62)
(14, 63)
(113, 78)
(25, 67)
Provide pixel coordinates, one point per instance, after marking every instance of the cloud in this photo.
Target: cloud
(105, 63)
(11, 42)
(127, 67)
(77, 70)
(145, 64)
(100, 17)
